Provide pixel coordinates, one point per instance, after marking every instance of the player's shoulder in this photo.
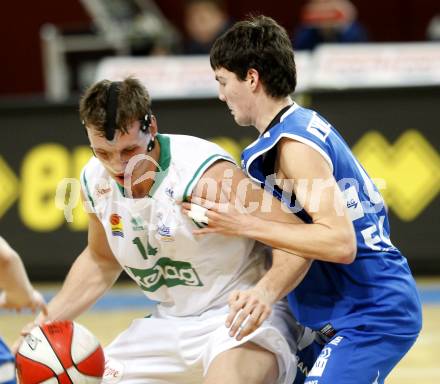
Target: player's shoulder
(179, 141)
(93, 169)
(193, 149)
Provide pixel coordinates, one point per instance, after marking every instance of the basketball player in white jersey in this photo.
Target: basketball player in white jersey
(133, 188)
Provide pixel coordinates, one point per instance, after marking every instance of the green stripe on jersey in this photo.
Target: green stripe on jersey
(87, 189)
(164, 164)
(203, 167)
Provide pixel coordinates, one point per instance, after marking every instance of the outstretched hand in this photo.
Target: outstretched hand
(34, 302)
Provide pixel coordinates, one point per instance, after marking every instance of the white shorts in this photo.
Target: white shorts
(158, 350)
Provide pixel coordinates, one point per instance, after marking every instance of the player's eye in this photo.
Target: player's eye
(129, 151)
(102, 155)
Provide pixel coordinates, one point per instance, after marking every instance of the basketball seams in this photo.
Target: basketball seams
(23, 357)
(63, 352)
(74, 327)
(55, 350)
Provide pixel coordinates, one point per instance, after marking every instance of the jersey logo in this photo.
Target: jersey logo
(32, 341)
(166, 272)
(116, 225)
(318, 127)
(138, 224)
(320, 363)
(353, 203)
(164, 233)
(169, 191)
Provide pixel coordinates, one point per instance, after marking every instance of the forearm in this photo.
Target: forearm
(86, 282)
(286, 272)
(14, 279)
(311, 241)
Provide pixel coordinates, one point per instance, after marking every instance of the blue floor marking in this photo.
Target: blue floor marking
(136, 300)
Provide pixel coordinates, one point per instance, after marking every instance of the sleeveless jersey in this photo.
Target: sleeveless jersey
(152, 239)
(377, 290)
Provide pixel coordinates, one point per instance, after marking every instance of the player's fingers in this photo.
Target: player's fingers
(233, 297)
(264, 316)
(43, 308)
(208, 204)
(239, 320)
(235, 305)
(251, 323)
(186, 206)
(16, 345)
(27, 328)
(205, 231)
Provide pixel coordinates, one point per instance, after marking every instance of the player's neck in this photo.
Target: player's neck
(268, 108)
(143, 188)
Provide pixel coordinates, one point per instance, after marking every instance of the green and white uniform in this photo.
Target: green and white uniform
(190, 277)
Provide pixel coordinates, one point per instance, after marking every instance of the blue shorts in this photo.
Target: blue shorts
(352, 357)
(7, 367)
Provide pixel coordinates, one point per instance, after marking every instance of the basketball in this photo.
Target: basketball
(60, 352)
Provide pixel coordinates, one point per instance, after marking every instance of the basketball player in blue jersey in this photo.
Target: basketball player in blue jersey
(16, 293)
(359, 295)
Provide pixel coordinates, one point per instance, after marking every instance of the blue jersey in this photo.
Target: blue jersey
(7, 367)
(376, 291)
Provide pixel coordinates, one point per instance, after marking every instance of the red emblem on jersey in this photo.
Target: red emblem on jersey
(115, 219)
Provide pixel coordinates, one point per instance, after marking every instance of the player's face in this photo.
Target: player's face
(115, 155)
(238, 96)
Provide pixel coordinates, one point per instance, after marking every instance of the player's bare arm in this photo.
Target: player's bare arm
(17, 291)
(329, 238)
(249, 309)
(91, 275)
(94, 271)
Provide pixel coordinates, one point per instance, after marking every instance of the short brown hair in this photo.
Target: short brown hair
(133, 104)
(258, 42)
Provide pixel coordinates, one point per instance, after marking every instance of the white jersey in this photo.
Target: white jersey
(153, 241)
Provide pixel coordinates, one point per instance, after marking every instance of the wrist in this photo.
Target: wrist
(268, 291)
(251, 227)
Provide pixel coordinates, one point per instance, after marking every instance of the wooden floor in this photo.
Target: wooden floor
(420, 365)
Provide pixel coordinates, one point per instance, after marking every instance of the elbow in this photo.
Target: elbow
(347, 249)
(348, 256)
(344, 246)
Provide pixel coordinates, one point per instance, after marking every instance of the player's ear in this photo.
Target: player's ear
(153, 126)
(253, 77)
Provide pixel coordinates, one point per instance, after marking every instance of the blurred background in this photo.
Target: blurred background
(371, 67)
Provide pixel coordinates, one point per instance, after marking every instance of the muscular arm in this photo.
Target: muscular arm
(250, 308)
(331, 235)
(91, 275)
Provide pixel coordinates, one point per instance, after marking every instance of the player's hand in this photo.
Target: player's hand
(34, 301)
(222, 218)
(40, 319)
(25, 330)
(248, 310)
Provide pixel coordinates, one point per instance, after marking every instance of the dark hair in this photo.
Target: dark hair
(260, 43)
(133, 104)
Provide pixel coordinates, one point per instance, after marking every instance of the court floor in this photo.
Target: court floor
(115, 311)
